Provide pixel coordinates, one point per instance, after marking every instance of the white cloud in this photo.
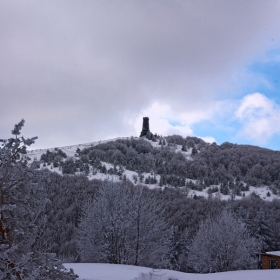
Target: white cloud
(166, 120)
(254, 105)
(159, 114)
(208, 139)
(260, 117)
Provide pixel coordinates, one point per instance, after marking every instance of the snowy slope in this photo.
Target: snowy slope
(71, 150)
(97, 271)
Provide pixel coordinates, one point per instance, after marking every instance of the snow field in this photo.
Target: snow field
(101, 271)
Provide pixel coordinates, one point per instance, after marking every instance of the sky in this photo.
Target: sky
(84, 71)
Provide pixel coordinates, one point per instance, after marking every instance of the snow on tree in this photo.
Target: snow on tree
(124, 226)
(259, 228)
(22, 216)
(177, 249)
(222, 244)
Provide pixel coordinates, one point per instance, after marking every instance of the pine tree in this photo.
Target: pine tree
(194, 151)
(224, 189)
(177, 249)
(259, 228)
(22, 216)
(184, 148)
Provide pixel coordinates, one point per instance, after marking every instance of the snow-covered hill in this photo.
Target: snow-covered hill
(69, 150)
(97, 271)
(263, 192)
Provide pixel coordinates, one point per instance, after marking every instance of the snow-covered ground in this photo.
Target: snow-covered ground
(99, 271)
(69, 150)
(261, 191)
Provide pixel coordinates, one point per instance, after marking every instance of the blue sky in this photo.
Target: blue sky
(82, 71)
(267, 71)
(257, 100)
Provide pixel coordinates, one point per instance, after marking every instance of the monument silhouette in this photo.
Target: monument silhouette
(145, 127)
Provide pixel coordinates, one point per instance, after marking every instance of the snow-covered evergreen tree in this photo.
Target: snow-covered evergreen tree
(259, 228)
(22, 216)
(177, 249)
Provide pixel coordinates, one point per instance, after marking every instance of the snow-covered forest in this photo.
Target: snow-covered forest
(136, 202)
(173, 161)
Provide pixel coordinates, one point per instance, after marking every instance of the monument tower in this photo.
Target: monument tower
(145, 127)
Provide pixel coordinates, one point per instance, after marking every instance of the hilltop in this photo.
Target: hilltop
(199, 169)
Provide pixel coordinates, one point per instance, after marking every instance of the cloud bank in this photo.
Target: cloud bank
(78, 70)
(260, 118)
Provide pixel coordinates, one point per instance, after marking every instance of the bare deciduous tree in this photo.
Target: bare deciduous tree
(222, 244)
(123, 225)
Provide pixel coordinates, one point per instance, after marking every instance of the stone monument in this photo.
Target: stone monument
(145, 127)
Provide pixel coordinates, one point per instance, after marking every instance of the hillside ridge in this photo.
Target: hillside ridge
(226, 171)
